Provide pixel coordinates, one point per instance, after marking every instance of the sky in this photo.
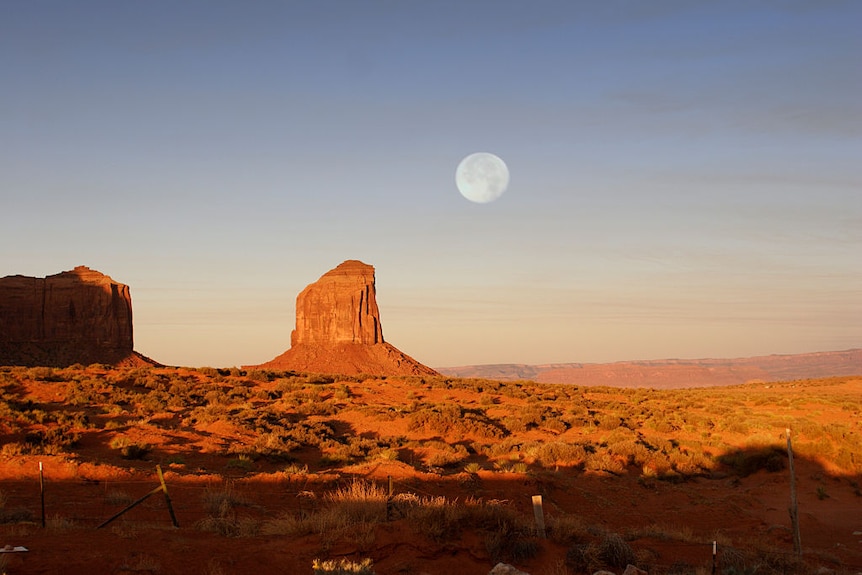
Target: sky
(686, 177)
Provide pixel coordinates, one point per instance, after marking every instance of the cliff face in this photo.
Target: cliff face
(340, 307)
(338, 329)
(78, 316)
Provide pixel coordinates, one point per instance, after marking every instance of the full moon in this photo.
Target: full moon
(482, 177)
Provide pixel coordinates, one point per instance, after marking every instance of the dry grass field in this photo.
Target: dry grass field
(270, 472)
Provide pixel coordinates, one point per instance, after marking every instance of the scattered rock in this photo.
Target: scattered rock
(338, 329)
(603, 572)
(506, 569)
(78, 316)
(632, 570)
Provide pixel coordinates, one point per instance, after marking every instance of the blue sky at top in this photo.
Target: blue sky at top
(685, 176)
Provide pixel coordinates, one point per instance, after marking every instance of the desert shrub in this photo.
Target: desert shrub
(507, 447)
(318, 408)
(261, 375)
(15, 515)
(154, 402)
(350, 511)
(129, 449)
(229, 525)
(632, 451)
(51, 441)
(219, 498)
(603, 461)
(608, 421)
(581, 558)
(446, 418)
(508, 536)
(559, 453)
(567, 529)
(342, 567)
(44, 374)
(438, 519)
(274, 446)
(14, 448)
(359, 502)
(745, 462)
(289, 384)
(241, 463)
(221, 503)
(83, 392)
(510, 543)
(118, 497)
(208, 371)
(387, 454)
(445, 454)
(295, 469)
(614, 551)
(692, 463)
(555, 425)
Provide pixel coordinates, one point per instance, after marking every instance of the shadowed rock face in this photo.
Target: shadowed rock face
(78, 316)
(338, 329)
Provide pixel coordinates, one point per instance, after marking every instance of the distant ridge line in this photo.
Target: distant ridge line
(675, 372)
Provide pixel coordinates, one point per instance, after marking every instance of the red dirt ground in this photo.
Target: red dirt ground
(667, 522)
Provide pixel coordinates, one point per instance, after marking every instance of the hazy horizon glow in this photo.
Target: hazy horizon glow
(685, 179)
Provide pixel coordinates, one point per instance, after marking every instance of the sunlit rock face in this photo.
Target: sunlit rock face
(78, 316)
(338, 329)
(340, 307)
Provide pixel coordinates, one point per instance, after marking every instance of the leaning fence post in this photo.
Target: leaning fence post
(714, 554)
(130, 506)
(162, 487)
(539, 514)
(167, 497)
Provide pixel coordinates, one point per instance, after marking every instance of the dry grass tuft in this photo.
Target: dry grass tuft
(342, 567)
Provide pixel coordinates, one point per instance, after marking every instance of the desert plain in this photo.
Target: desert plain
(268, 471)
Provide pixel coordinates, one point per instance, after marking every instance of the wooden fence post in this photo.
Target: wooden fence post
(794, 509)
(42, 492)
(539, 514)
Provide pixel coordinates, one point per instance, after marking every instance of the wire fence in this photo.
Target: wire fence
(87, 503)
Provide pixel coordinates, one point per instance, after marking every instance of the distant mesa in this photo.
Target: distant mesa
(79, 316)
(676, 373)
(338, 329)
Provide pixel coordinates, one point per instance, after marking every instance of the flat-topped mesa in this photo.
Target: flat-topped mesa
(78, 316)
(340, 307)
(338, 329)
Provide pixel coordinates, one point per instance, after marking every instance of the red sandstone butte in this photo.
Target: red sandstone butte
(338, 329)
(78, 316)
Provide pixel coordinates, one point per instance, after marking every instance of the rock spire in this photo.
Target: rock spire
(338, 329)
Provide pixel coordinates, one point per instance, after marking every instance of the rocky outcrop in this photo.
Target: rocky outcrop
(78, 316)
(340, 307)
(338, 329)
